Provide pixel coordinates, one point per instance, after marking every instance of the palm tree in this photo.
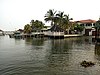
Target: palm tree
(64, 20)
(50, 16)
(67, 21)
(97, 27)
(60, 16)
(60, 19)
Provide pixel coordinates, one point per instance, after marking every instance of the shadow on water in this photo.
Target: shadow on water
(60, 46)
(63, 46)
(60, 60)
(35, 41)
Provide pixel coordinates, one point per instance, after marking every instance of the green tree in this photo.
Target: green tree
(27, 29)
(79, 28)
(37, 25)
(59, 19)
(50, 16)
(64, 21)
(97, 28)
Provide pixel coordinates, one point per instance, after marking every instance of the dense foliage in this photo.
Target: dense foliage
(58, 18)
(37, 25)
(27, 28)
(79, 28)
(33, 26)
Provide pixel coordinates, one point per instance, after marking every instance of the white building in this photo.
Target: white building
(89, 26)
(54, 32)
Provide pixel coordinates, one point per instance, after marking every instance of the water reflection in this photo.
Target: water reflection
(60, 46)
(35, 41)
(63, 57)
(42, 56)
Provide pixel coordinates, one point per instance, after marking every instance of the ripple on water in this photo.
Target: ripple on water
(39, 71)
(47, 57)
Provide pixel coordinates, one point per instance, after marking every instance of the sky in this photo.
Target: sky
(15, 14)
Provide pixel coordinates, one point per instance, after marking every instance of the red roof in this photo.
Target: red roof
(87, 21)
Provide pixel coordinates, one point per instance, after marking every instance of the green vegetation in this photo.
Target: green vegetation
(50, 16)
(58, 18)
(37, 25)
(55, 17)
(33, 26)
(79, 28)
(97, 27)
(27, 29)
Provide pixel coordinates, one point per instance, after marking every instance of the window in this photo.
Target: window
(81, 24)
(88, 24)
(93, 24)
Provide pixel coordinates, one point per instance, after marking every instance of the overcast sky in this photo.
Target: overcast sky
(14, 14)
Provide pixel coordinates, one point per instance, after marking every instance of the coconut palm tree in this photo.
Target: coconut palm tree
(97, 27)
(60, 16)
(50, 16)
(67, 21)
(64, 20)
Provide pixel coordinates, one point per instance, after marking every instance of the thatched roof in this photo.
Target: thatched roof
(56, 28)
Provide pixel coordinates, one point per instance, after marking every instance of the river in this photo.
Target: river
(43, 56)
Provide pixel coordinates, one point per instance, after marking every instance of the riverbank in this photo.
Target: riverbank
(41, 35)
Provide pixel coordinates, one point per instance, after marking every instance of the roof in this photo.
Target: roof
(87, 21)
(56, 28)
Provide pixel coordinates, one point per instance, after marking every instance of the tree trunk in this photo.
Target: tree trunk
(96, 34)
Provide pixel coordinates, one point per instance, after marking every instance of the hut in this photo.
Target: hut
(55, 32)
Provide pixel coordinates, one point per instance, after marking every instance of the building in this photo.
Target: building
(89, 26)
(55, 32)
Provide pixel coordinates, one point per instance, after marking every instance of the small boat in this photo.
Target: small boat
(16, 34)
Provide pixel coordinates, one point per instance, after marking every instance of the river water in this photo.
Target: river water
(45, 56)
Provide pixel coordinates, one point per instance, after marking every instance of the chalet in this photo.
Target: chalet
(89, 26)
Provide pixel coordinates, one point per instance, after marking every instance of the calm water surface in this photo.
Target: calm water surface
(48, 56)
